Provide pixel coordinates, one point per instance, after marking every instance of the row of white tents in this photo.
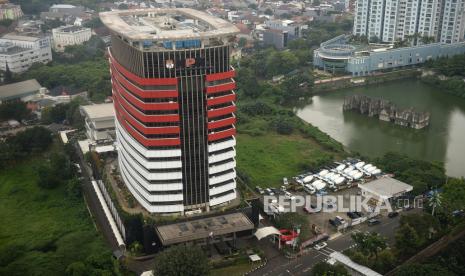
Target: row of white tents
(333, 177)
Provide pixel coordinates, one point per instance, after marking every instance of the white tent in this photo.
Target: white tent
(266, 231)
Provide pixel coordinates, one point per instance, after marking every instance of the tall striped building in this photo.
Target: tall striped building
(173, 89)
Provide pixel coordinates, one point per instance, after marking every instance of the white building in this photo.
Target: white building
(99, 122)
(394, 20)
(69, 35)
(385, 188)
(20, 52)
(453, 21)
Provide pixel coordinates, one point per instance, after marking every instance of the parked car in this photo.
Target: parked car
(312, 209)
(372, 222)
(285, 181)
(352, 215)
(393, 214)
(259, 190)
(340, 219)
(359, 214)
(288, 195)
(268, 191)
(320, 245)
(334, 222)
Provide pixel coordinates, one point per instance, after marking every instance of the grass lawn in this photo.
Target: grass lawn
(235, 270)
(266, 159)
(42, 231)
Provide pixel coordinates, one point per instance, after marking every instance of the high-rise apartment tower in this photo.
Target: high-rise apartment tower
(420, 21)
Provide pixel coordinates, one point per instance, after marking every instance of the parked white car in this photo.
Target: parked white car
(320, 246)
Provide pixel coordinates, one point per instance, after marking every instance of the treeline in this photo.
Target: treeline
(454, 69)
(81, 67)
(92, 76)
(24, 144)
(422, 175)
(416, 232)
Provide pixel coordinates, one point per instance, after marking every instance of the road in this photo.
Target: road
(303, 265)
(93, 204)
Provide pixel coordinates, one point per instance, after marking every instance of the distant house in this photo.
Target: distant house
(20, 91)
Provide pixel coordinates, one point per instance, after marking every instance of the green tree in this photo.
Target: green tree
(181, 260)
(73, 188)
(248, 84)
(14, 110)
(454, 194)
(407, 240)
(325, 269)
(77, 269)
(423, 270)
(242, 42)
(280, 63)
(269, 11)
(369, 243)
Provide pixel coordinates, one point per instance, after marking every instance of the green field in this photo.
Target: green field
(42, 231)
(266, 159)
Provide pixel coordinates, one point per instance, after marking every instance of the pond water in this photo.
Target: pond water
(443, 140)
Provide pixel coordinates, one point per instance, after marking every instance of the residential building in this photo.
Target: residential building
(173, 91)
(453, 21)
(19, 52)
(69, 35)
(279, 32)
(10, 11)
(415, 20)
(99, 122)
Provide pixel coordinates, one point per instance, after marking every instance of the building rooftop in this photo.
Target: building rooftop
(8, 48)
(161, 24)
(203, 228)
(386, 187)
(346, 261)
(99, 111)
(19, 89)
(70, 29)
(20, 37)
(62, 6)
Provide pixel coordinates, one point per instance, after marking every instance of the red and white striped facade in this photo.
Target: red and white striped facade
(175, 125)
